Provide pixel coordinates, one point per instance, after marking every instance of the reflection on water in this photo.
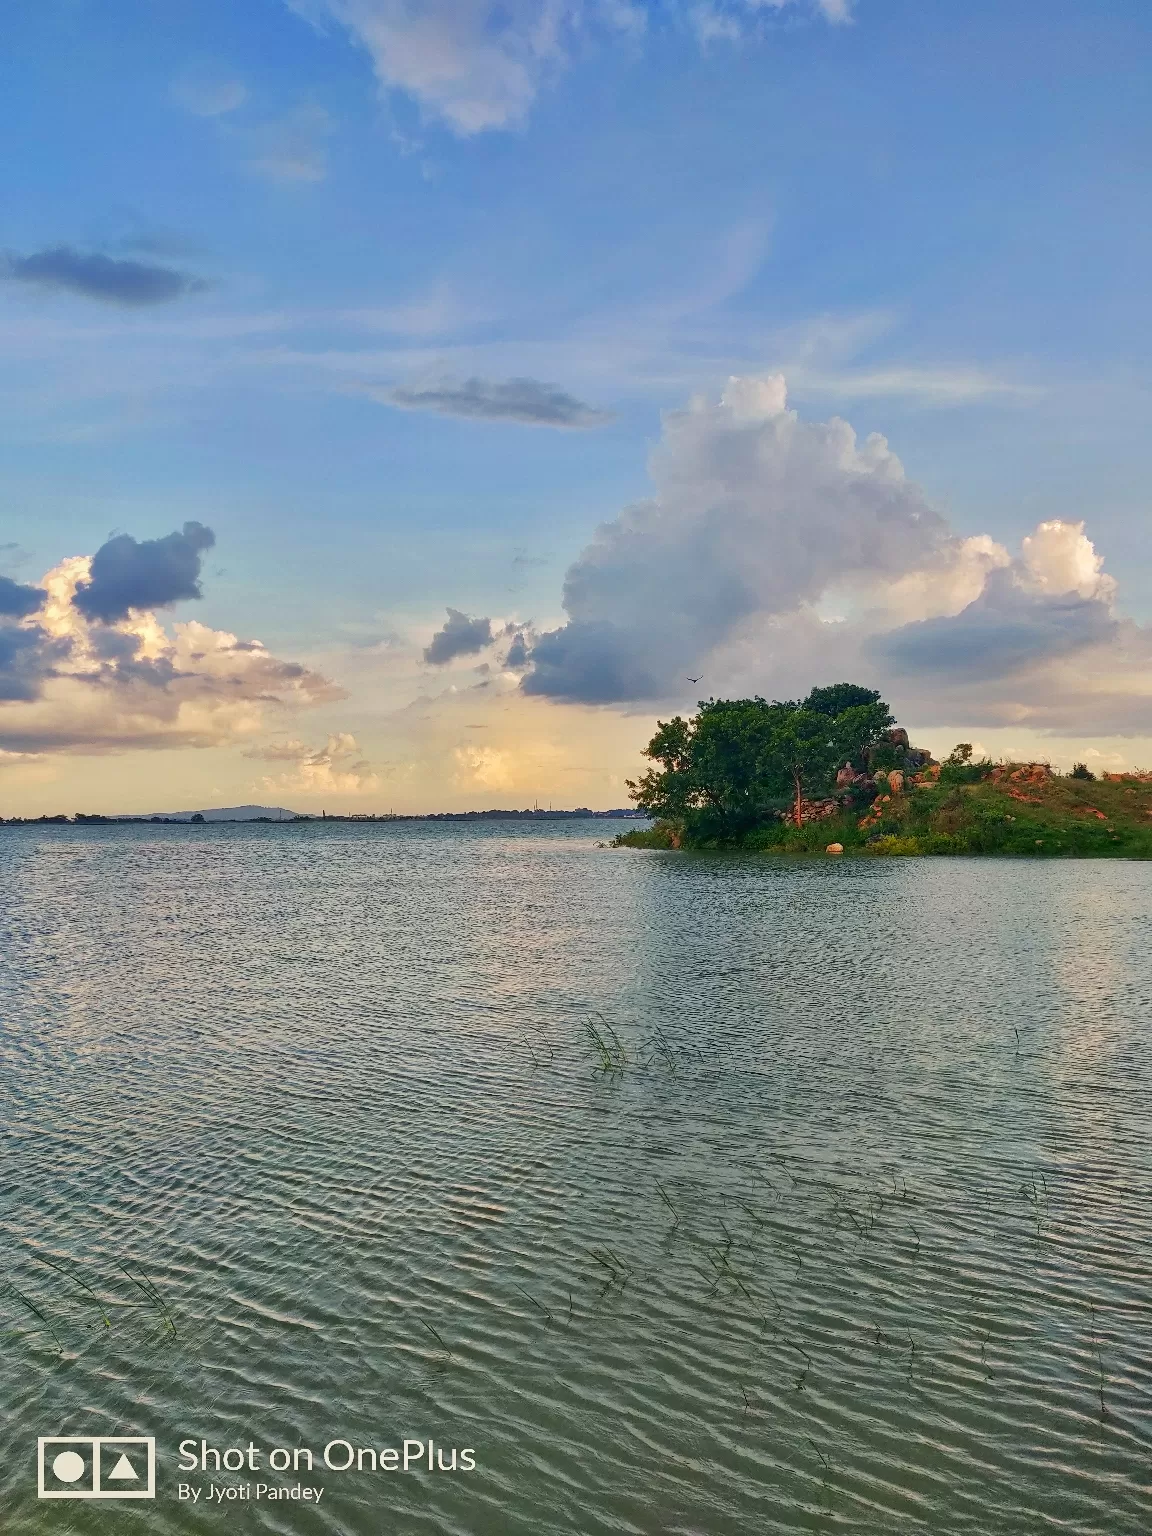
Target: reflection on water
(853, 1234)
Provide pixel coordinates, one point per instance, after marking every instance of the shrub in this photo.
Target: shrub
(895, 846)
(659, 836)
(956, 770)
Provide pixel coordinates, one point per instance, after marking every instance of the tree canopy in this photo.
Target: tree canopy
(738, 761)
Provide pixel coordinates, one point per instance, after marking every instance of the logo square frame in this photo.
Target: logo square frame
(96, 1444)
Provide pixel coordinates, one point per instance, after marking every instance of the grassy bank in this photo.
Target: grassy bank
(1017, 812)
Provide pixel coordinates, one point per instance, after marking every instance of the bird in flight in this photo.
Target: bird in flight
(693, 679)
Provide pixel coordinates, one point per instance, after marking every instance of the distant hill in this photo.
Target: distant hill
(227, 813)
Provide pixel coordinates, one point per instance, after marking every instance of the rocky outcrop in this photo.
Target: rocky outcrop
(812, 810)
(896, 741)
(1023, 774)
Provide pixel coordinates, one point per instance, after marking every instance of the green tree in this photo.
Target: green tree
(730, 767)
(838, 698)
(805, 754)
(714, 776)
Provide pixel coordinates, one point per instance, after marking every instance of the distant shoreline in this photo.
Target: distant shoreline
(202, 819)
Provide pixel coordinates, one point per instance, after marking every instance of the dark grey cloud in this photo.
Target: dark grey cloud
(460, 636)
(1005, 630)
(518, 654)
(96, 276)
(27, 657)
(592, 663)
(128, 574)
(526, 401)
(18, 601)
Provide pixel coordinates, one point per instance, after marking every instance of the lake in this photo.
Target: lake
(693, 1194)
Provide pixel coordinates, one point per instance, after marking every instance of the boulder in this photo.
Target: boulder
(896, 782)
(1021, 773)
(834, 848)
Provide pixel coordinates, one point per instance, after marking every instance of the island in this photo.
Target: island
(834, 774)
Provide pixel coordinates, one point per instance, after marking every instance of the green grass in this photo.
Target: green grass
(1057, 817)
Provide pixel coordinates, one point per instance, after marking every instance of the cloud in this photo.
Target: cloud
(1059, 558)
(518, 653)
(459, 636)
(292, 147)
(335, 768)
(527, 401)
(926, 386)
(70, 683)
(732, 21)
(1005, 630)
(487, 767)
(778, 552)
(1053, 601)
(472, 63)
(27, 657)
(96, 276)
(479, 64)
(291, 751)
(18, 601)
(127, 574)
(206, 97)
(755, 511)
(15, 759)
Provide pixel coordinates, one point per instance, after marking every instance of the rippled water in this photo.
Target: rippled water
(852, 1235)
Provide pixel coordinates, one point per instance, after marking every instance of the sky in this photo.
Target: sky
(406, 403)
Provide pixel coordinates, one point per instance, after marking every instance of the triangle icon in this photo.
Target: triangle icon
(124, 1469)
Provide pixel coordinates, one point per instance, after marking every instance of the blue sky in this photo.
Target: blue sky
(932, 218)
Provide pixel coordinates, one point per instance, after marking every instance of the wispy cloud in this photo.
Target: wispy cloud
(206, 96)
(460, 347)
(292, 147)
(929, 386)
(479, 64)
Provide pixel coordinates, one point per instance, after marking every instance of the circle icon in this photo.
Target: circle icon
(68, 1467)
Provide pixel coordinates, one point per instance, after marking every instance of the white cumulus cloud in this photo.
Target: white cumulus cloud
(755, 512)
(777, 553)
(95, 686)
(338, 767)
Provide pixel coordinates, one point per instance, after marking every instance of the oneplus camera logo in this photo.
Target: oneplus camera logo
(96, 1466)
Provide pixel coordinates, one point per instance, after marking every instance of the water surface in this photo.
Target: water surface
(853, 1236)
